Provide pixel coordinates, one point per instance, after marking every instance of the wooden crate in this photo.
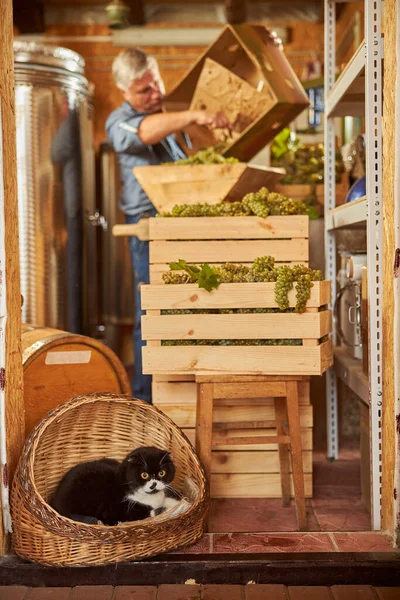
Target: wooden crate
(300, 191)
(235, 472)
(168, 185)
(249, 53)
(176, 393)
(311, 358)
(217, 240)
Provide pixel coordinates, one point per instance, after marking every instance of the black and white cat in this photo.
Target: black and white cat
(112, 492)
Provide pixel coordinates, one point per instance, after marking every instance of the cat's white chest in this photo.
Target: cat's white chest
(154, 501)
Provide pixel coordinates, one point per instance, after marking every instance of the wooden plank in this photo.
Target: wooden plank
(184, 393)
(261, 391)
(229, 251)
(257, 461)
(172, 378)
(204, 417)
(240, 441)
(283, 450)
(12, 376)
(306, 440)
(296, 453)
(228, 295)
(229, 425)
(237, 326)
(185, 415)
(390, 522)
(251, 485)
(139, 230)
(274, 360)
(228, 228)
(168, 185)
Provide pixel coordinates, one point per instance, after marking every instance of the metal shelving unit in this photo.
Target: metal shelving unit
(358, 91)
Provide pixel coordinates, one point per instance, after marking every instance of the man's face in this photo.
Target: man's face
(146, 94)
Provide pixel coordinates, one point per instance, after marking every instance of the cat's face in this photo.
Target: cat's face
(149, 470)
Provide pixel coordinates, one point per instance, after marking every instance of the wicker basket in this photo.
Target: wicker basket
(87, 428)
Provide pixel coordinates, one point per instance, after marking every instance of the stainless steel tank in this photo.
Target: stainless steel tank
(56, 188)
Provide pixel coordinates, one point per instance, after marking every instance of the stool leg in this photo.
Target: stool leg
(292, 399)
(282, 429)
(204, 424)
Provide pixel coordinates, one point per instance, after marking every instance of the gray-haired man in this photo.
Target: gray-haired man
(143, 135)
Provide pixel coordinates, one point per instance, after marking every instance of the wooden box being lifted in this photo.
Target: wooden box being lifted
(243, 68)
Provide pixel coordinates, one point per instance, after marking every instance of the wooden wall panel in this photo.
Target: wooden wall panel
(389, 418)
(13, 377)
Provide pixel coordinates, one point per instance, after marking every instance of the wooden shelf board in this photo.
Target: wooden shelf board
(350, 371)
(351, 214)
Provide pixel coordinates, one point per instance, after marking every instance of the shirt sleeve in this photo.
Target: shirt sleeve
(123, 134)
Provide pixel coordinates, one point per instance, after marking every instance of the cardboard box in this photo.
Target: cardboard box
(269, 98)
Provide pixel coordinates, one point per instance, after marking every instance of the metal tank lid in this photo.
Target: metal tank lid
(41, 54)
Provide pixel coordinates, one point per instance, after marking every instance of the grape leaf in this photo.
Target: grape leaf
(182, 265)
(312, 213)
(207, 278)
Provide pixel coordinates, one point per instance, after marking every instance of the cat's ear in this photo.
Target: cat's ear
(166, 458)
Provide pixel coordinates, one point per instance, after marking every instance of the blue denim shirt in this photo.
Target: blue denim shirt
(122, 131)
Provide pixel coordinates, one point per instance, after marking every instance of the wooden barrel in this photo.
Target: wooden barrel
(59, 365)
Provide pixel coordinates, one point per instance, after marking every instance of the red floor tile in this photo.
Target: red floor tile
(50, 593)
(179, 592)
(353, 592)
(363, 542)
(90, 592)
(231, 515)
(341, 515)
(13, 592)
(135, 592)
(261, 542)
(387, 593)
(222, 592)
(265, 592)
(309, 593)
(202, 546)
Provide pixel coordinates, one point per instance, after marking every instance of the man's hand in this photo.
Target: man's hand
(156, 127)
(212, 121)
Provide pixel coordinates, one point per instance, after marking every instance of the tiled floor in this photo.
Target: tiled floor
(203, 592)
(337, 519)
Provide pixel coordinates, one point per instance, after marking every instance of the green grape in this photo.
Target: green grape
(176, 277)
(283, 285)
(303, 291)
(206, 156)
(263, 269)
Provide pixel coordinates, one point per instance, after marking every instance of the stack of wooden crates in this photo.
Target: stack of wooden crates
(251, 471)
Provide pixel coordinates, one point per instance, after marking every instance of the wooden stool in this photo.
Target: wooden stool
(284, 390)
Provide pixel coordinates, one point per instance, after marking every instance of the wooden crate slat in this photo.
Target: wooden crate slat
(228, 295)
(184, 392)
(238, 327)
(269, 360)
(185, 415)
(252, 485)
(229, 228)
(228, 250)
(306, 440)
(253, 462)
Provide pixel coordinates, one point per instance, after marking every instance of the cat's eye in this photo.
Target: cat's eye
(161, 474)
(144, 475)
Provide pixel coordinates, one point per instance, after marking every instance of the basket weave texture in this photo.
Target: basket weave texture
(87, 428)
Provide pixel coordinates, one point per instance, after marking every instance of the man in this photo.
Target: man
(143, 135)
